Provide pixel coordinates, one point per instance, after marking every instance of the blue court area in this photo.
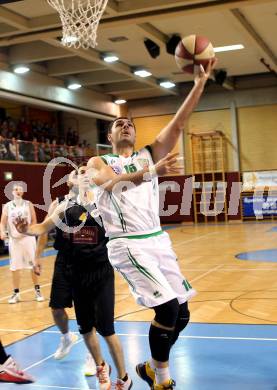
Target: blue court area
(206, 357)
(265, 255)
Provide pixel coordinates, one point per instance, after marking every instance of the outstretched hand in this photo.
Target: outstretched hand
(168, 165)
(204, 74)
(21, 225)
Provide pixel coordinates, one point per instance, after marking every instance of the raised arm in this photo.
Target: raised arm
(103, 175)
(168, 137)
(44, 227)
(36, 229)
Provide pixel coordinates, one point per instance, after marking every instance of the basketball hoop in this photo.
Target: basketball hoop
(80, 20)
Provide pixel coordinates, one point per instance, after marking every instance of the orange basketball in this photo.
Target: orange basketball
(193, 50)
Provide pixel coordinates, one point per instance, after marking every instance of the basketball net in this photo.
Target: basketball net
(80, 20)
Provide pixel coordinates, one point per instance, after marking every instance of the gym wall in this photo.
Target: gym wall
(32, 175)
(257, 128)
(149, 127)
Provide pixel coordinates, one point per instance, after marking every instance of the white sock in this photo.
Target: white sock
(152, 365)
(162, 375)
(67, 336)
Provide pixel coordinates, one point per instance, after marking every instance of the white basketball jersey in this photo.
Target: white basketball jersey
(134, 211)
(14, 211)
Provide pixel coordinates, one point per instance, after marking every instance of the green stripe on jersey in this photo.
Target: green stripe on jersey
(141, 269)
(119, 213)
(139, 236)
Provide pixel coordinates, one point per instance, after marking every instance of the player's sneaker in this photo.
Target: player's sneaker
(65, 346)
(10, 372)
(39, 297)
(103, 375)
(121, 385)
(169, 386)
(14, 298)
(90, 366)
(146, 373)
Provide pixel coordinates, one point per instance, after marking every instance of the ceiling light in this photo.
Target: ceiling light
(21, 69)
(74, 86)
(142, 73)
(110, 58)
(69, 39)
(120, 101)
(167, 84)
(228, 48)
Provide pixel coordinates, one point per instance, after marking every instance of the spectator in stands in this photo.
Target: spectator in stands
(4, 129)
(71, 153)
(11, 125)
(41, 154)
(34, 150)
(14, 150)
(79, 151)
(3, 149)
(55, 148)
(63, 148)
(47, 150)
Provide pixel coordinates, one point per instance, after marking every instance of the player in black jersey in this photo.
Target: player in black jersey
(61, 290)
(92, 277)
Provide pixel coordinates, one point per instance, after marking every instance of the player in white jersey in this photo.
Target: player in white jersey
(22, 248)
(138, 249)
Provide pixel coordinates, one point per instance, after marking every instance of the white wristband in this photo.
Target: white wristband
(152, 172)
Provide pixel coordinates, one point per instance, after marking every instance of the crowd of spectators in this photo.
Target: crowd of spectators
(38, 141)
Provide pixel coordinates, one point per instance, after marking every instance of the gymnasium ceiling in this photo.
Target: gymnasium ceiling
(30, 33)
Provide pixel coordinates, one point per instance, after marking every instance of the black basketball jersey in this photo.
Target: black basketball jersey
(61, 241)
(88, 244)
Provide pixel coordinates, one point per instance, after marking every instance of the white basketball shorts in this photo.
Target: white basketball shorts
(22, 252)
(150, 267)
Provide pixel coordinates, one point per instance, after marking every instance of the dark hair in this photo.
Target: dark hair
(112, 122)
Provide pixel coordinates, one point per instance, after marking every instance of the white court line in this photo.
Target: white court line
(209, 271)
(33, 331)
(206, 273)
(182, 337)
(40, 385)
(61, 387)
(146, 335)
(194, 239)
(206, 337)
(235, 269)
(18, 330)
(24, 291)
